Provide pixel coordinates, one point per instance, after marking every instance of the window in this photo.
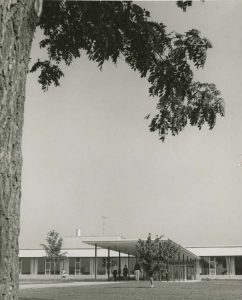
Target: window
(55, 267)
(47, 267)
(238, 265)
(212, 265)
(221, 267)
(25, 265)
(72, 266)
(131, 264)
(190, 269)
(101, 266)
(41, 265)
(85, 265)
(204, 265)
(78, 266)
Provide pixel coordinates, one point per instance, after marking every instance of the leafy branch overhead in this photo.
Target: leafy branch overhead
(106, 31)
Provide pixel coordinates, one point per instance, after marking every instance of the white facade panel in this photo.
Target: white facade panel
(31, 253)
(216, 251)
(70, 253)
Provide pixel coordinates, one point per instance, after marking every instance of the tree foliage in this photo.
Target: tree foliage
(184, 4)
(155, 254)
(53, 247)
(109, 30)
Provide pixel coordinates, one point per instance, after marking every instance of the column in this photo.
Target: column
(128, 261)
(31, 265)
(108, 264)
(183, 267)
(119, 265)
(128, 267)
(92, 261)
(168, 269)
(179, 266)
(195, 268)
(95, 263)
(232, 265)
(36, 266)
(173, 268)
(190, 268)
(187, 269)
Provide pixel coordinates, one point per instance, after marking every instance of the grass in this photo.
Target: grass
(205, 290)
(57, 280)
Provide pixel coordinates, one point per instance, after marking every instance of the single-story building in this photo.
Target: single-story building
(88, 257)
(219, 262)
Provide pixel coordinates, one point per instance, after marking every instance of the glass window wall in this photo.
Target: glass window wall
(72, 265)
(85, 265)
(41, 265)
(101, 266)
(26, 265)
(204, 265)
(221, 267)
(238, 265)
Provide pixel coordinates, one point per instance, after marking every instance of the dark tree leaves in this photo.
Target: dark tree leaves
(109, 30)
(155, 254)
(184, 4)
(50, 73)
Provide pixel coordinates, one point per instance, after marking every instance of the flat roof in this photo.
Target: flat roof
(216, 251)
(128, 246)
(79, 252)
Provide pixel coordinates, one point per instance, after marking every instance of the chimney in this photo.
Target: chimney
(78, 232)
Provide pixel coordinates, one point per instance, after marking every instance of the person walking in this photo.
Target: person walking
(115, 271)
(137, 270)
(125, 273)
(151, 278)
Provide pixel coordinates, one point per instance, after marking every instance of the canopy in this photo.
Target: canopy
(128, 246)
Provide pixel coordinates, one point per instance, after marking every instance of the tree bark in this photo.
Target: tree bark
(17, 25)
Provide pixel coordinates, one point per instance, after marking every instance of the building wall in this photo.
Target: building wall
(220, 267)
(181, 268)
(74, 266)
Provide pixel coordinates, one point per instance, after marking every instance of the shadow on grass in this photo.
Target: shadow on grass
(31, 298)
(130, 287)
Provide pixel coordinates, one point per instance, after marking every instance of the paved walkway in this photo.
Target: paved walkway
(82, 283)
(62, 284)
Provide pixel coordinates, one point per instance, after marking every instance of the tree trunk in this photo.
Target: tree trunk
(17, 24)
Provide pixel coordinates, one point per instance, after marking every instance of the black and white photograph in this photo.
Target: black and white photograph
(120, 150)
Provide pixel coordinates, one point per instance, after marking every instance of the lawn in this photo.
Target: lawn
(205, 290)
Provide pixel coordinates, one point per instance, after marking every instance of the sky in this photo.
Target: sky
(88, 152)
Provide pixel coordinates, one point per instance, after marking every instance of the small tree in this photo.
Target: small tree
(155, 254)
(53, 248)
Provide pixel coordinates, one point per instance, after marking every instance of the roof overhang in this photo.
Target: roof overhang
(124, 246)
(128, 246)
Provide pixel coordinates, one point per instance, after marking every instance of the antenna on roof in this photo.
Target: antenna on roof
(104, 218)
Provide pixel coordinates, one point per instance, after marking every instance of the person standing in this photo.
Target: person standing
(137, 270)
(125, 272)
(115, 271)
